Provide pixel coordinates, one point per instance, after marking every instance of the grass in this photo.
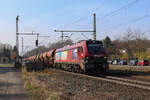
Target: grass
(30, 87)
(6, 65)
(34, 88)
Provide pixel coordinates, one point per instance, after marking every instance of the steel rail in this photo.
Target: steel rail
(121, 81)
(129, 80)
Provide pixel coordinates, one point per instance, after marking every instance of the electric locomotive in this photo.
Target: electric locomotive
(85, 56)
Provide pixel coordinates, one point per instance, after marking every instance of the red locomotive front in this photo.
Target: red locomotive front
(85, 56)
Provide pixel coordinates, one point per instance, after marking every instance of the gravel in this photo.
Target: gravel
(75, 87)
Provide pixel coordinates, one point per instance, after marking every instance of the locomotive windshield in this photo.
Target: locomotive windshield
(95, 47)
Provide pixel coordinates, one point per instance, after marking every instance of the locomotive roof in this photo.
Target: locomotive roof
(77, 45)
(71, 46)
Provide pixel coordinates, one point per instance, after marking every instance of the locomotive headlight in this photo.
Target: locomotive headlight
(105, 57)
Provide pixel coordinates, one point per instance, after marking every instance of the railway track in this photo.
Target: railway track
(129, 82)
(117, 80)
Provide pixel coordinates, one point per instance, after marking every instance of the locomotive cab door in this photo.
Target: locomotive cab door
(80, 53)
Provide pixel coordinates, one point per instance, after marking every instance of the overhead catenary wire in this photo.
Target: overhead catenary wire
(130, 22)
(109, 15)
(28, 48)
(83, 17)
(115, 12)
(84, 35)
(44, 39)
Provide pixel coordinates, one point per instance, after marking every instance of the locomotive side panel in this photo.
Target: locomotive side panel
(70, 58)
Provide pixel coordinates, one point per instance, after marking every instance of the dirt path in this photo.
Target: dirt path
(11, 85)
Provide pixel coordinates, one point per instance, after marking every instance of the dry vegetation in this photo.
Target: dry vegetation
(35, 88)
(54, 85)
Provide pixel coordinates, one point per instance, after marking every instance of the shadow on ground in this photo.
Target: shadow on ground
(4, 70)
(2, 84)
(14, 96)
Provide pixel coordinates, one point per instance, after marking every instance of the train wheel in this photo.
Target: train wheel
(81, 71)
(70, 68)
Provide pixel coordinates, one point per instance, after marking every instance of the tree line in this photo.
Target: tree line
(50, 46)
(7, 51)
(132, 44)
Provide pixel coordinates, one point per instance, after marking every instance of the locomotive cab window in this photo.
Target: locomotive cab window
(95, 47)
(80, 49)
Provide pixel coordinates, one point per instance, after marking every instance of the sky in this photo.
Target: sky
(113, 18)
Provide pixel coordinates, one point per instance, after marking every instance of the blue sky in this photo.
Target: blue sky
(44, 16)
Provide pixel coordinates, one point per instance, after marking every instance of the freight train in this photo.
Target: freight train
(87, 56)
